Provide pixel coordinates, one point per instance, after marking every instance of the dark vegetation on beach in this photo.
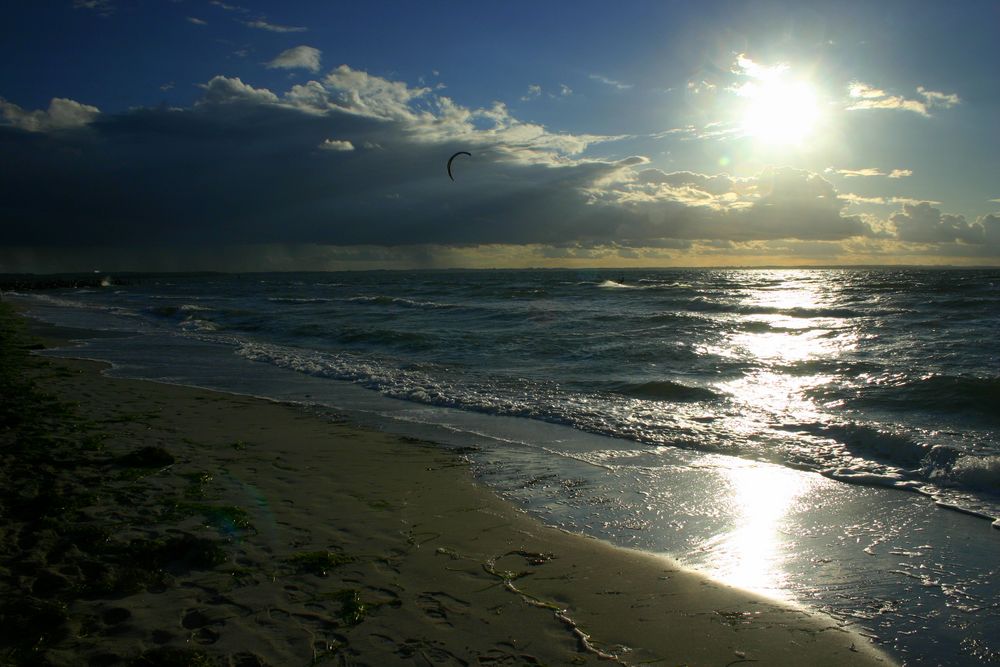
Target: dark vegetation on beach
(57, 546)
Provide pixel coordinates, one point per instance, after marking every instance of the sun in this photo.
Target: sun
(780, 112)
(776, 109)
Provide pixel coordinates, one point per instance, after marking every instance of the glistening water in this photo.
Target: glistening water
(827, 436)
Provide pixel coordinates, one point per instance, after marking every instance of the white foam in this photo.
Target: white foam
(887, 479)
(977, 472)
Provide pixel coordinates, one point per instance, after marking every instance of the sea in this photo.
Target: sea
(829, 437)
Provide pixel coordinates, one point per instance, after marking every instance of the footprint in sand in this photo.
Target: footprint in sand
(439, 605)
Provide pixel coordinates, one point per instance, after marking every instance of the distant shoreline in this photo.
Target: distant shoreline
(76, 280)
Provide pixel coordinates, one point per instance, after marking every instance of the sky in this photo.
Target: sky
(243, 136)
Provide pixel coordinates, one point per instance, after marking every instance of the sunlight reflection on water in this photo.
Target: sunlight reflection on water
(752, 555)
(775, 391)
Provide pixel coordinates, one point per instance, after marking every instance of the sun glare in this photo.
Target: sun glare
(752, 555)
(777, 110)
(780, 112)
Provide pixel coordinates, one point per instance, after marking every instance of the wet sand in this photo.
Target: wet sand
(347, 546)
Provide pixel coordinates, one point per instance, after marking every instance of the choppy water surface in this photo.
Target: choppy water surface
(886, 379)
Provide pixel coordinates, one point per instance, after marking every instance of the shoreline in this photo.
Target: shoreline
(347, 544)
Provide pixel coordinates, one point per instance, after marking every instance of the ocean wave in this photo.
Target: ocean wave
(856, 453)
(173, 311)
(669, 316)
(292, 299)
(381, 300)
(189, 317)
(756, 326)
(48, 299)
(665, 390)
(981, 473)
(878, 457)
(864, 478)
(838, 367)
(951, 393)
(387, 379)
(198, 324)
(963, 303)
(641, 283)
(613, 284)
(705, 304)
(370, 337)
(981, 394)
(871, 442)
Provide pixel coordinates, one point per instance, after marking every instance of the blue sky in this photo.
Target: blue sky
(305, 135)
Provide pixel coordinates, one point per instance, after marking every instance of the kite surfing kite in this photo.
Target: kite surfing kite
(452, 158)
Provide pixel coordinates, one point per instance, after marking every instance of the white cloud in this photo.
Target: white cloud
(852, 198)
(261, 24)
(336, 145)
(775, 204)
(717, 130)
(933, 98)
(565, 90)
(991, 228)
(911, 201)
(359, 92)
(922, 223)
(871, 171)
(421, 114)
(700, 86)
(746, 67)
(225, 90)
(884, 201)
(534, 90)
(227, 7)
(864, 91)
(868, 171)
(305, 57)
(169, 85)
(102, 7)
(196, 21)
(868, 97)
(864, 96)
(62, 114)
(686, 130)
(244, 155)
(600, 78)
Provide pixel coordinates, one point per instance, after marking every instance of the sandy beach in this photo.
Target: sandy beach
(208, 528)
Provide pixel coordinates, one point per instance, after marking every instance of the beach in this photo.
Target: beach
(287, 538)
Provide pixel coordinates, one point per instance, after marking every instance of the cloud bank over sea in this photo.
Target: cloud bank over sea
(354, 159)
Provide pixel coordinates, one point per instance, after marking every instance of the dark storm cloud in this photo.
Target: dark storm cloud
(357, 159)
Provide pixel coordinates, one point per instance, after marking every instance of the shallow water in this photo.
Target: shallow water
(711, 415)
